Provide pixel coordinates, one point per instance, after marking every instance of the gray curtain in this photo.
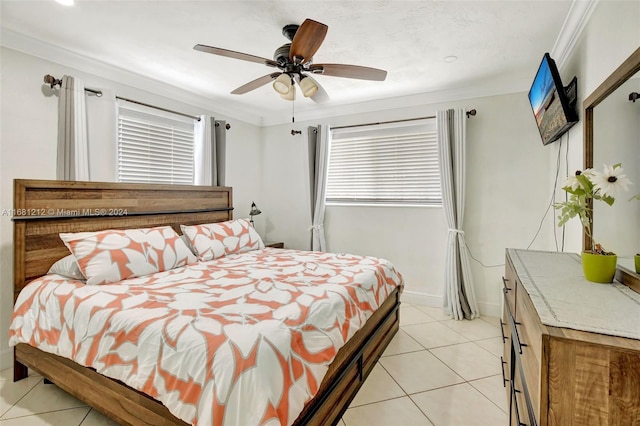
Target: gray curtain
(459, 296)
(73, 145)
(319, 140)
(210, 152)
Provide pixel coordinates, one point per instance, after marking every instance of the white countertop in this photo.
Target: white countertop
(564, 298)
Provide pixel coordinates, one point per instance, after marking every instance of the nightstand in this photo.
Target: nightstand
(274, 244)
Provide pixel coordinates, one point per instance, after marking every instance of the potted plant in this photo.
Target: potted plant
(584, 188)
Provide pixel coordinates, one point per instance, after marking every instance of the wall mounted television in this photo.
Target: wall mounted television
(553, 105)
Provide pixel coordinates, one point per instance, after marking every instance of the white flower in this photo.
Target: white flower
(610, 181)
(589, 173)
(572, 182)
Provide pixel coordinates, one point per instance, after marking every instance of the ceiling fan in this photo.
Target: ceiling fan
(295, 64)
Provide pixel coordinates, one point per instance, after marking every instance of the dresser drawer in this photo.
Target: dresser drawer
(509, 287)
(529, 347)
(505, 359)
(519, 410)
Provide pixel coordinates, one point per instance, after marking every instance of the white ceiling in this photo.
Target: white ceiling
(499, 44)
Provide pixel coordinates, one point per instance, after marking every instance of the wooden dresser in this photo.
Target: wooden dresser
(559, 375)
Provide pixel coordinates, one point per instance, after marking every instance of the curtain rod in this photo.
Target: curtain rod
(469, 113)
(53, 82)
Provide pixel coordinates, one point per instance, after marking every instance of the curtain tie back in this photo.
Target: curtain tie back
(316, 227)
(457, 231)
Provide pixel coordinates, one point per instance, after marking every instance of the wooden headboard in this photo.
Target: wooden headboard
(45, 208)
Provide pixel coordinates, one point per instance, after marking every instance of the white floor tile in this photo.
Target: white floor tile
(410, 315)
(437, 313)
(341, 423)
(379, 386)
(476, 329)
(7, 374)
(419, 371)
(96, 418)
(402, 343)
(68, 417)
(469, 360)
(492, 388)
(491, 320)
(493, 345)
(395, 412)
(459, 405)
(11, 392)
(434, 334)
(42, 399)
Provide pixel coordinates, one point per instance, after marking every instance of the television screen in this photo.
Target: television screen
(553, 104)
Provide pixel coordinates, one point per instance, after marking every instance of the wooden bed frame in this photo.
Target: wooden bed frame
(43, 209)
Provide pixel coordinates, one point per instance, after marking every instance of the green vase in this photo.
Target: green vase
(599, 268)
(636, 258)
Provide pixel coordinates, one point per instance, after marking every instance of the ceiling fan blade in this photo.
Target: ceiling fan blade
(349, 71)
(235, 55)
(258, 82)
(307, 41)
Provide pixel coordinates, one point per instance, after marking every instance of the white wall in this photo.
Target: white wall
(28, 145)
(610, 36)
(507, 193)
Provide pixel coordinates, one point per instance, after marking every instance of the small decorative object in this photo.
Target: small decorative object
(255, 211)
(636, 258)
(585, 187)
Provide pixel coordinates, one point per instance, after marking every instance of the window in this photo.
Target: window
(154, 146)
(394, 163)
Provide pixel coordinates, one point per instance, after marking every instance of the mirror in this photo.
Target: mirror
(612, 135)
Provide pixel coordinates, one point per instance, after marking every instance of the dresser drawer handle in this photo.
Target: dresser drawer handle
(504, 282)
(504, 338)
(522, 345)
(515, 391)
(504, 379)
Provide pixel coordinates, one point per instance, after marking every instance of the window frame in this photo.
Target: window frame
(182, 129)
(398, 129)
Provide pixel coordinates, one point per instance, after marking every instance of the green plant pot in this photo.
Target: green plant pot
(599, 268)
(637, 261)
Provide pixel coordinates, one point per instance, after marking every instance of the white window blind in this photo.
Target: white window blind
(385, 164)
(154, 146)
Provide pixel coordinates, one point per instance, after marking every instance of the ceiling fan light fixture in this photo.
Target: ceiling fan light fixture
(282, 84)
(308, 87)
(291, 95)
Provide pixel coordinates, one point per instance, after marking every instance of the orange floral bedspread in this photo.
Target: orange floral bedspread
(241, 340)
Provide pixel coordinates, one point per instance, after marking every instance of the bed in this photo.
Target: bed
(44, 209)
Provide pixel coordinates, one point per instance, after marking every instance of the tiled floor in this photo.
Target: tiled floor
(436, 371)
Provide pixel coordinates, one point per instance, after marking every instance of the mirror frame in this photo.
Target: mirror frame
(623, 73)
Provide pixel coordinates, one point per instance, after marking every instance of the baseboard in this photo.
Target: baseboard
(489, 309)
(6, 358)
(425, 299)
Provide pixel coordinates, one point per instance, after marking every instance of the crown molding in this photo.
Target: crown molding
(577, 18)
(67, 58)
(574, 23)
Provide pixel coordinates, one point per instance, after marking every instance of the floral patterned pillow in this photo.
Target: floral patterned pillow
(115, 255)
(67, 267)
(214, 240)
